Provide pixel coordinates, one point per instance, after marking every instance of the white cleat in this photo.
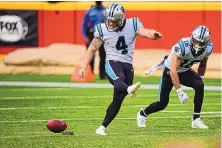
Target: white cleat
(101, 131)
(141, 120)
(133, 88)
(198, 123)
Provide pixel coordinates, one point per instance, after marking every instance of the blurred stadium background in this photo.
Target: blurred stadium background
(57, 26)
(46, 45)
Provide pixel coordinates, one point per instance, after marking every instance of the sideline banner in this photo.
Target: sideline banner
(18, 28)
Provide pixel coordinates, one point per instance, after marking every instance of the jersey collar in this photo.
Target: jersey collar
(198, 54)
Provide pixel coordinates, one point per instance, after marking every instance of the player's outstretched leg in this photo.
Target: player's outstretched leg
(163, 95)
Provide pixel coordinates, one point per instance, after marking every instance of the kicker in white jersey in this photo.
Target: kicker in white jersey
(118, 35)
(119, 45)
(183, 50)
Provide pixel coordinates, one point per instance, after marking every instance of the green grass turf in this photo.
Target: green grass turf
(84, 110)
(66, 78)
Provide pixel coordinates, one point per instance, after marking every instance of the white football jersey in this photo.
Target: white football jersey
(119, 45)
(183, 50)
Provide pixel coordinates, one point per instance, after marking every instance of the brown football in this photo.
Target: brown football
(56, 126)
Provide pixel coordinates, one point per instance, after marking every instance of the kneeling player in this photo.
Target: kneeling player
(177, 70)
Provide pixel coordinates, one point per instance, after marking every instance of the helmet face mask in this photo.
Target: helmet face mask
(113, 24)
(198, 46)
(199, 39)
(114, 16)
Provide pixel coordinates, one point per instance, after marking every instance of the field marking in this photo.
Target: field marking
(85, 85)
(48, 134)
(87, 107)
(82, 96)
(85, 119)
(25, 136)
(69, 97)
(98, 106)
(46, 89)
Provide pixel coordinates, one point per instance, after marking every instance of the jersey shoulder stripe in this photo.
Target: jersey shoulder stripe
(99, 30)
(135, 24)
(182, 47)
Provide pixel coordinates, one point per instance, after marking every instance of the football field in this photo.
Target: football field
(24, 112)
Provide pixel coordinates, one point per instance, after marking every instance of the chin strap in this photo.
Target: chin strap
(196, 51)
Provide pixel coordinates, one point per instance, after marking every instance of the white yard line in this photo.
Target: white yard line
(48, 134)
(87, 107)
(54, 97)
(69, 97)
(85, 119)
(84, 85)
(47, 89)
(25, 136)
(82, 96)
(72, 97)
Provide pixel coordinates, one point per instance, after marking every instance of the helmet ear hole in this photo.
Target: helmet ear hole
(120, 23)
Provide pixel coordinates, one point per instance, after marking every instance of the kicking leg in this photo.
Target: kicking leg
(116, 76)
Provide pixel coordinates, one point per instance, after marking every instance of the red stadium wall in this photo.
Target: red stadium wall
(65, 25)
(56, 27)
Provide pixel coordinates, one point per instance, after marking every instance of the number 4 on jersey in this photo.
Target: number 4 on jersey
(121, 45)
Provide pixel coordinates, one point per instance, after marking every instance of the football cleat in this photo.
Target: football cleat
(198, 123)
(101, 131)
(133, 88)
(141, 120)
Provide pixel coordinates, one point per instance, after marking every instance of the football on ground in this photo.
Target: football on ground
(56, 126)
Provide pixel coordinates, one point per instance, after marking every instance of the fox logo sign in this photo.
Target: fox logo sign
(12, 28)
